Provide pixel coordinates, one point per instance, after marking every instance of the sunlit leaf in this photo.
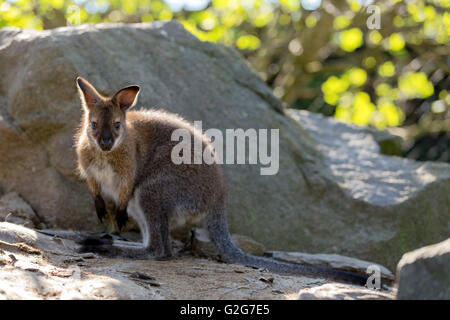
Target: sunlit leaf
(165, 14)
(415, 85)
(147, 17)
(290, 5)
(387, 69)
(430, 13)
(375, 37)
(156, 6)
(382, 89)
(248, 42)
(354, 5)
(369, 62)
(393, 115)
(262, 17)
(220, 4)
(357, 76)
(57, 4)
(334, 85)
(396, 42)
(351, 39)
(331, 98)
(341, 22)
(343, 113)
(284, 19)
(362, 109)
(311, 21)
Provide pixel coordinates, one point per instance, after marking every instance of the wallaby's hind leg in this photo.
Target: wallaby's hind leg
(160, 245)
(157, 215)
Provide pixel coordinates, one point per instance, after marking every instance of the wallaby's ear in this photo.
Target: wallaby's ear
(126, 97)
(89, 96)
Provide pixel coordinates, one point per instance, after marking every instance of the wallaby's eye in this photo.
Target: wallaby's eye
(94, 125)
(117, 125)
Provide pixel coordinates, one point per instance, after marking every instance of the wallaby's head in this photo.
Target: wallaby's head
(105, 123)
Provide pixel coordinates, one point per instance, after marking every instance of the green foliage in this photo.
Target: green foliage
(326, 56)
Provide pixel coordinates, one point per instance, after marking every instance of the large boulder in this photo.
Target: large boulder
(334, 192)
(424, 274)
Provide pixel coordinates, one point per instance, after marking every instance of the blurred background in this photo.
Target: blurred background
(379, 63)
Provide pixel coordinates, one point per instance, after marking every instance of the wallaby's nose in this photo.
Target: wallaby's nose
(106, 140)
(106, 144)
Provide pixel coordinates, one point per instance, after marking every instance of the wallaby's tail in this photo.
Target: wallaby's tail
(217, 226)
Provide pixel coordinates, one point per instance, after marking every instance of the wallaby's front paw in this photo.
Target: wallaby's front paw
(101, 215)
(121, 218)
(100, 208)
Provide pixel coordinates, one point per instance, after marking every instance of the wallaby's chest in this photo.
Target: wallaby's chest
(106, 176)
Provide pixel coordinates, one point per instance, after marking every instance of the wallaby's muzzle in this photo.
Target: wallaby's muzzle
(106, 144)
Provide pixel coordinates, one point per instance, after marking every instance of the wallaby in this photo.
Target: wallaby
(125, 156)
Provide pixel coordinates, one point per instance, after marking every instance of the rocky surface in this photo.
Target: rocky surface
(37, 266)
(355, 162)
(334, 192)
(202, 245)
(425, 273)
(15, 210)
(338, 291)
(333, 261)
